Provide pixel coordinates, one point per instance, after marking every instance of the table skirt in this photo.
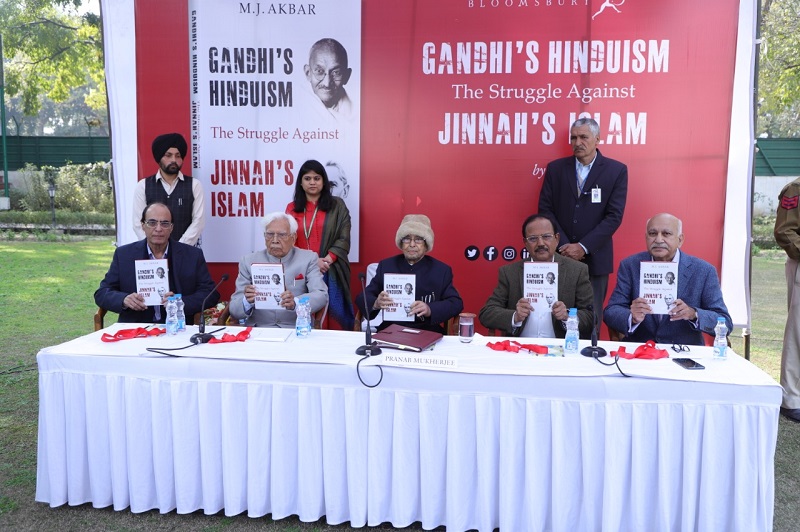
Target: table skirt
(461, 459)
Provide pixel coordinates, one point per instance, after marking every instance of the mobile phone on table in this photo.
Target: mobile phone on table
(688, 363)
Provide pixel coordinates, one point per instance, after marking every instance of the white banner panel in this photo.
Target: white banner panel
(272, 85)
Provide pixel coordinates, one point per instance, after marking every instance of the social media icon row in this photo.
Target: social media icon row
(491, 253)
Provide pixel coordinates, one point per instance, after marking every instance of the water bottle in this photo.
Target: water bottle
(303, 310)
(180, 313)
(572, 337)
(172, 316)
(721, 340)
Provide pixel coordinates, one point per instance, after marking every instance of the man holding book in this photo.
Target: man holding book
(433, 299)
(699, 297)
(520, 304)
(297, 267)
(121, 290)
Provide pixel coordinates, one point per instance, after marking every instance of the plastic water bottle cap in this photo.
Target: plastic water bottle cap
(304, 299)
(178, 296)
(573, 312)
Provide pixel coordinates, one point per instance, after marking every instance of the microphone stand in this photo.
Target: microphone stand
(593, 350)
(202, 337)
(369, 348)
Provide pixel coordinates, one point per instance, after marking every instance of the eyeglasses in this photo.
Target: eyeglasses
(281, 236)
(320, 73)
(680, 348)
(166, 224)
(547, 237)
(415, 239)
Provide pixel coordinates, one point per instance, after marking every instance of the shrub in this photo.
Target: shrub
(79, 188)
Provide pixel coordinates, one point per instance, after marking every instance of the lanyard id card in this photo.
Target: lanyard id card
(596, 198)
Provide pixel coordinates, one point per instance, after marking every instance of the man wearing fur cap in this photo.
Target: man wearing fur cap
(436, 299)
(182, 193)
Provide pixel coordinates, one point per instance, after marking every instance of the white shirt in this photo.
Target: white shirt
(192, 234)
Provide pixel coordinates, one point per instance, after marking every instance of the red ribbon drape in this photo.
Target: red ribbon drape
(127, 334)
(647, 351)
(515, 347)
(239, 337)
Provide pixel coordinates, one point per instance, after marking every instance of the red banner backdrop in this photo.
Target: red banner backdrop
(464, 102)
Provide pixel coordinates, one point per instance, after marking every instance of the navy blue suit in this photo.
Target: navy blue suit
(188, 276)
(577, 218)
(698, 287)
(434, 285)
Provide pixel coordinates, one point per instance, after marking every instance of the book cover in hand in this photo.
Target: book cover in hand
(541, 286)
(401, 287)
(269, 281)
(152, 280)
(658, 285)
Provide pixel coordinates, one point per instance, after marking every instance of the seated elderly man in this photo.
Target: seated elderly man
(699, 301)
(508, 310)
(187, 273)
(436, 300)
(301, 275)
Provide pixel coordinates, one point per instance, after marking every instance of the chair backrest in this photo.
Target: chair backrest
(319, 317)
(98, 318)
(360, 322)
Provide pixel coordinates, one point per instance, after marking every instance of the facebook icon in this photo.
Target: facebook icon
(490, 253)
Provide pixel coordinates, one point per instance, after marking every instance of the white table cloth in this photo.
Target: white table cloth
(505, 440)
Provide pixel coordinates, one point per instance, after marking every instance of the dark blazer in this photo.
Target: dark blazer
(434, 285)
(574, 290)
(577, 218)
(188, 276)
(698, 287)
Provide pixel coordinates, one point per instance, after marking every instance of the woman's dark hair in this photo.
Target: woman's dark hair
(326, 198)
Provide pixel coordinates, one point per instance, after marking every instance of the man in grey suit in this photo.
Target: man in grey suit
(699, 302)
(300, 272)
(507, 309)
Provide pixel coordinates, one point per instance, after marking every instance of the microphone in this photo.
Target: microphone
(202, 337)
(368, 349)
(592, 350)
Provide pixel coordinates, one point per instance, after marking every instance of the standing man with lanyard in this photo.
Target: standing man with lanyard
(180, 192)
(585, 194)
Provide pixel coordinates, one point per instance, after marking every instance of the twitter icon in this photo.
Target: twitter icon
(472, 253)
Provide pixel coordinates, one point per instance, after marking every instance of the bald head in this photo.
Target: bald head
(664, 236)
(327, 71)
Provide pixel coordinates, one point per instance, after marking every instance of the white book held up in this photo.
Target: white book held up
(658, 285)
(152, 280)
(401, 287)
(268, 279)
(541, 285)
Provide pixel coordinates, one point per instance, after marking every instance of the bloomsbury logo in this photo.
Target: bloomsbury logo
(610, 6)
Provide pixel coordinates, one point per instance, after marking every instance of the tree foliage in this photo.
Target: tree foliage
(779, 69)
(51, 49)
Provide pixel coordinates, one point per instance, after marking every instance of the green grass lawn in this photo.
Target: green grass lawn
(53, 283)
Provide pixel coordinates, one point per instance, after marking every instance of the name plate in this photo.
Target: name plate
(418, 360)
